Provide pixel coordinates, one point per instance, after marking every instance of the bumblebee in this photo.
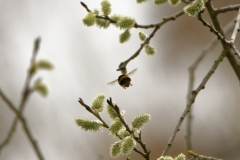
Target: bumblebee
(124, 80)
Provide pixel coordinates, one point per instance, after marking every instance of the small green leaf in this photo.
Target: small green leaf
(41, 88)
(142, 36)
(89, 125)
(90, 19)
(125, 36)
(106, 7)
(115, 149)
(45, 64)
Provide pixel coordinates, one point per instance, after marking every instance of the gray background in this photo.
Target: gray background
(85, 59)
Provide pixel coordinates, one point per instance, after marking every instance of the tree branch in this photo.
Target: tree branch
(227, 8)
(234, 61)
(212, 44)
(192, 100)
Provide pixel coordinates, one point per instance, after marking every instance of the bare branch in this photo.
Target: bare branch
(192, 100)
(212, 44)
(227, 9)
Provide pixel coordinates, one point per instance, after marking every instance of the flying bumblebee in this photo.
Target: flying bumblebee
(124, 80)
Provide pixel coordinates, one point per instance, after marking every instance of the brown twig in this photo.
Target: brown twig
(227, 9)
(192, 100)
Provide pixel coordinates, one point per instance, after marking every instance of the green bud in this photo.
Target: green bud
(165, 158)
(142, 36)
(194, 8)
(41, 88)
(102, 23)
(150, 50)
(174, 2)
(115, 126)
(106, 7)
(90, 19)
(126, 22)
(124, 37)
(140, 120)
(44, 64)
(111, 112)
(89, 125)
(159, 2)
(128, 158)
(128, 145)
(141, 1)
(180, 157)
(115, 149)
(98, 102)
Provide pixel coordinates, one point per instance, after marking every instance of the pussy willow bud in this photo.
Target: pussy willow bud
(174, 2)
(140, 120)
(125, 36)
(106, 7)
(115, 149)
(98, 102)
(194, 8)
(141, 1)
(150, 50)
(128, 145)
(159, 2)
(89, 20)
(89, 125)
(115, 126)
(126, 22)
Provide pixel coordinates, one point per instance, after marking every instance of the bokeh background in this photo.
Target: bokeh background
(86, 59)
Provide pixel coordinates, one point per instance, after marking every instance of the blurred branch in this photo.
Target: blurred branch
(228, 8)
(25, 95)
(212, 44)
(192, 100)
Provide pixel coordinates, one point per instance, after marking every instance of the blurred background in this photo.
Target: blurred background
(86, 59)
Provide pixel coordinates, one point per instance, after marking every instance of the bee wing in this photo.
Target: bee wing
(132, 72)
(113, 82)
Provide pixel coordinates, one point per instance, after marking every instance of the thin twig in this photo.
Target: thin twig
(158, 25)
(193, 97)
(212, 44)
(234, 34)
(201, 157)
(219, 35)
(234, 61)
(227, 8)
